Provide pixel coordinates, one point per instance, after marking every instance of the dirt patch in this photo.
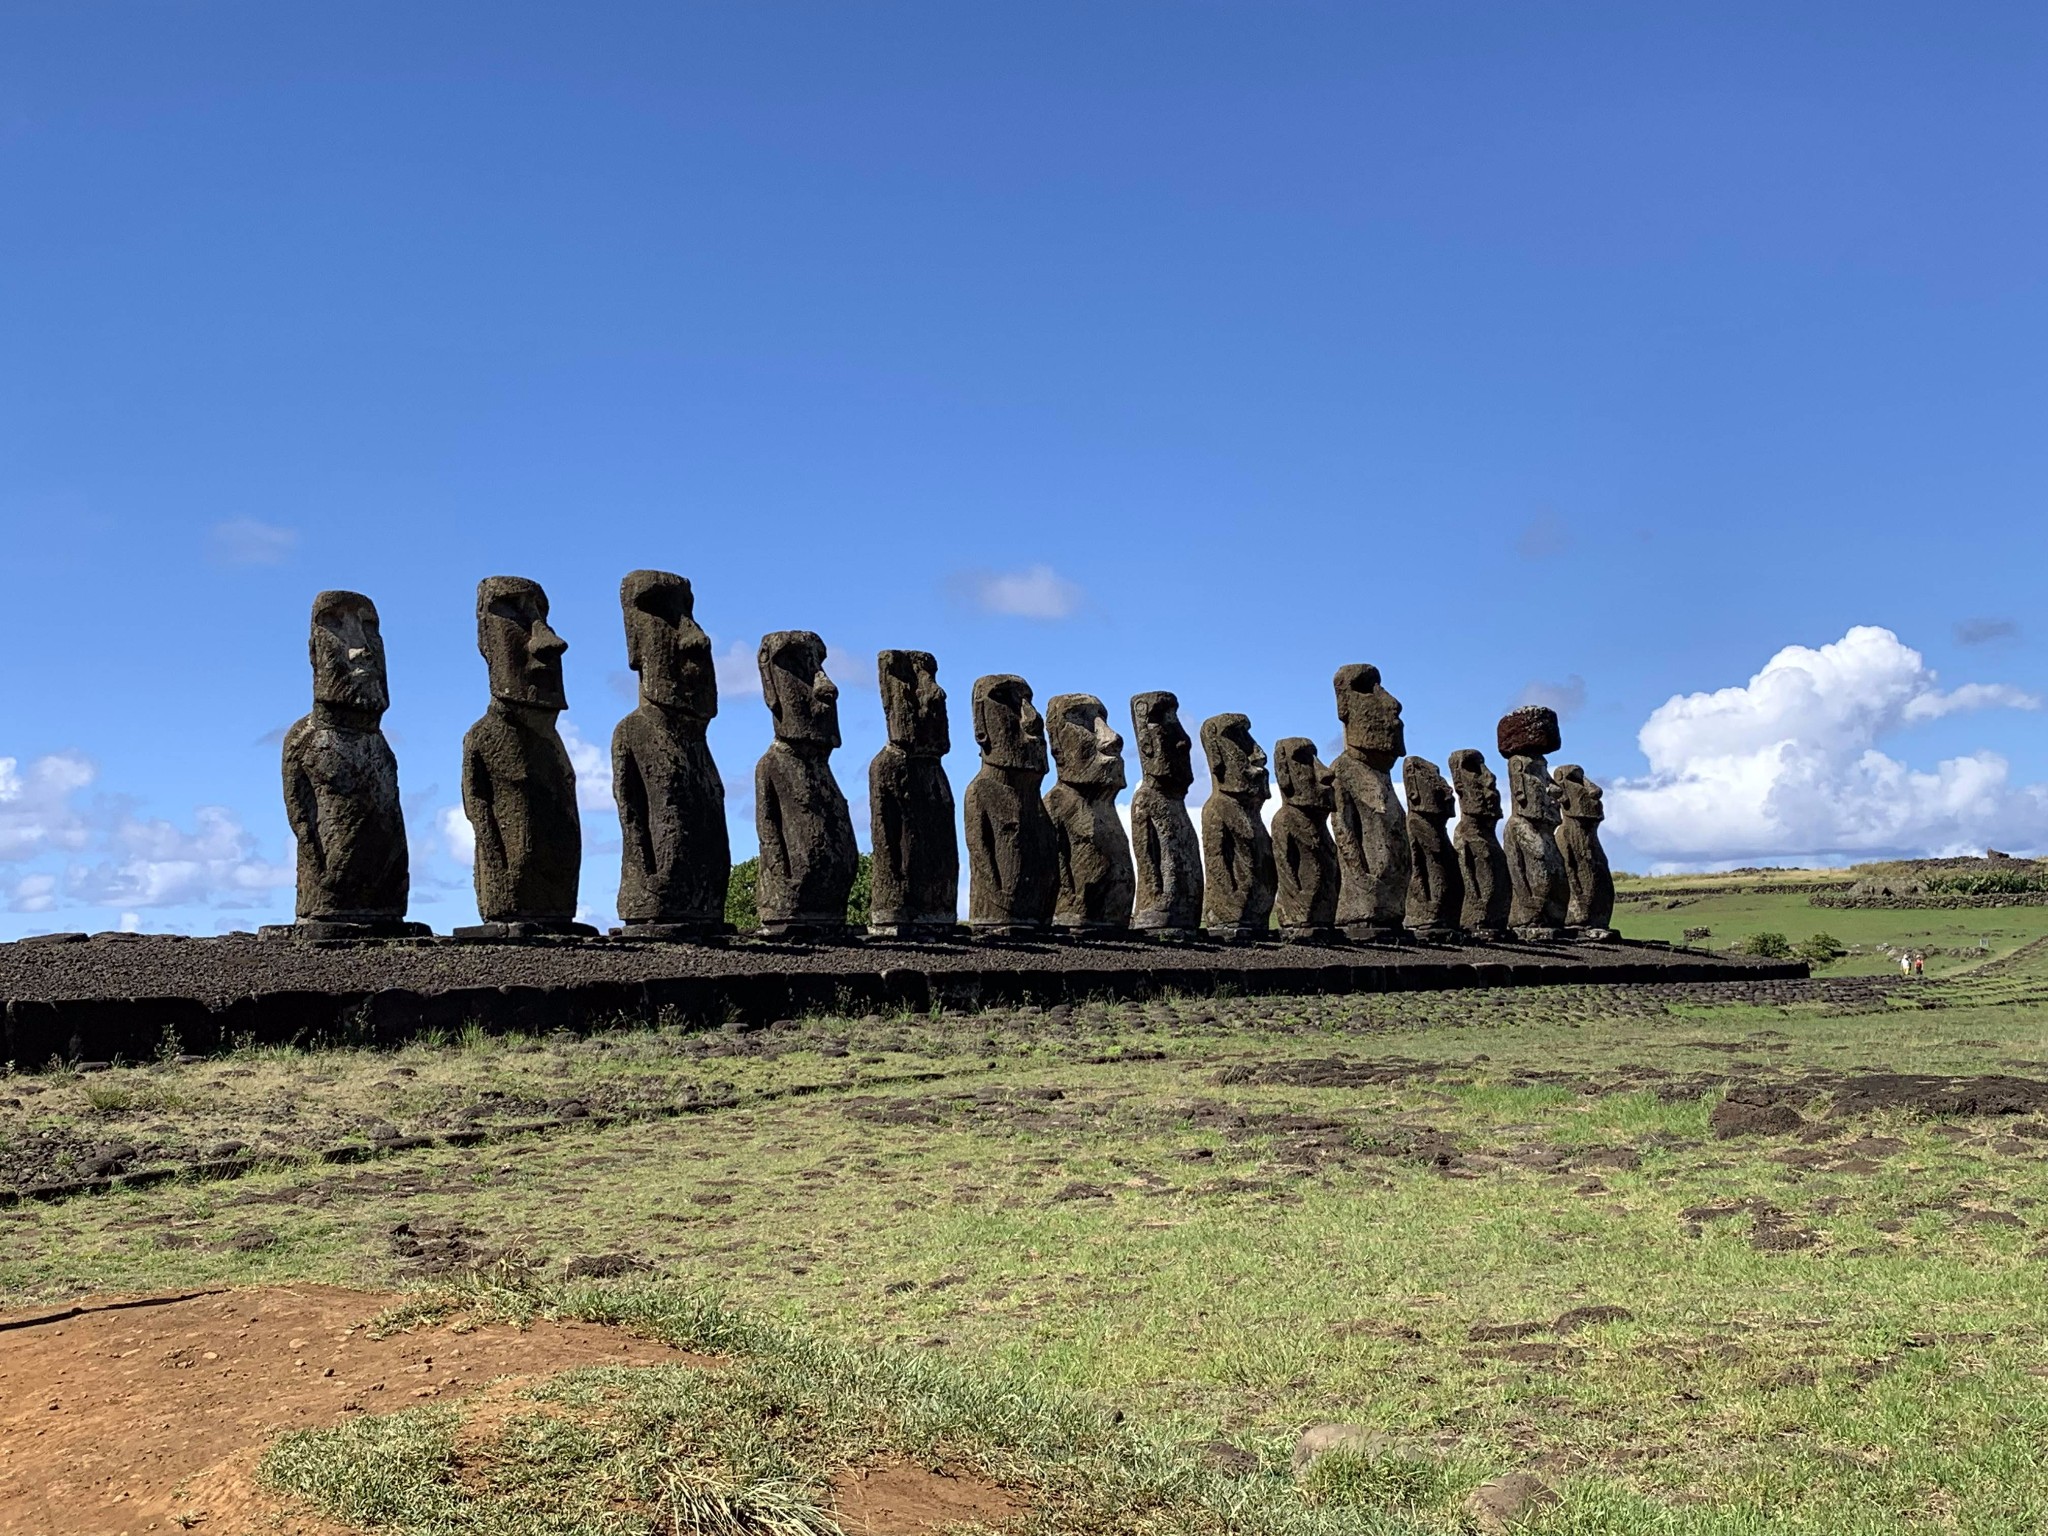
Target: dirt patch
(899, 1499)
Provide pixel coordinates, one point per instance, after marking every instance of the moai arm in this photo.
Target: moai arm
(629, 789)
(887, 823)
(300, 806)
(768, 822)
(1228, 861)
(478, 804)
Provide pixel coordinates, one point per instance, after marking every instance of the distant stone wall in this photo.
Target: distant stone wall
(1907, 903)
(1757, 888)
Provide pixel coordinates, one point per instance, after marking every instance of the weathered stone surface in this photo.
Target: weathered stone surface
(341, 783)
(1482, 864)
(1012, 867)
(1097, 885)
(1436, 888)
(675, 855)
(1304, 854)
(1165, 851)
(916, 869)
(1530, 731)
(1237, 850)
(1535, 869)
(518, 788)
(808, 856)
(1590, 904)
(1371, 825)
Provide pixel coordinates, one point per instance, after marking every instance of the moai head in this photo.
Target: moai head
(665, 646)
(1371, 715)
(1165, 755)
(1528, 731)
(1535, 796)
(524, 655)
(802, 699)
(348, 654)
(1305, 783)
(1478, 790)
(913, 702)
(1237, 764)
(1006, 728)
(1089, 754)
(1426, 792)
(1580, 794)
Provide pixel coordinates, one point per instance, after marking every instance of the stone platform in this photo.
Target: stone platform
(119, 996)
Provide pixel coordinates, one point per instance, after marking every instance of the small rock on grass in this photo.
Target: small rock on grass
(1318, 1440)
(1499, 1503)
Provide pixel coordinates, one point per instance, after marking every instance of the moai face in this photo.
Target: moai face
(1006, 727)
(1089, 754)
(803, 700)
(914, 703)
(1535, 795)
(1165, 754)
(347, 649)
(1581, 796)
(1237, 764)
(1305, 782)
(1426, 792)
(665, 646)
(524, 654)
(1371, 716)
(1478, 790)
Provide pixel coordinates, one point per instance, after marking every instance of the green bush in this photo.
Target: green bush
(1821, 949)
(1987, 882)
(1768, 946)
(742, 909)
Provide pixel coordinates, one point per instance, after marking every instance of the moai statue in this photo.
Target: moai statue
(1371, 827)
(1237, 850)
(1304, 855)
(916, 879)
(675, 856)
(1436, 889)
(1167, 854)
(1012, 868)
(518, 788)
(1590, 905)
(808, 858)
(1535, 870)
(341, 786)
(1481, 863)
(1093, 855)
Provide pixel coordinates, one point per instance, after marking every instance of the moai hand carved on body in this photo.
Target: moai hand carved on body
(518, 788)
(1535, 870)
(1436, 889)
(1304, 854)
(1371, 826)
(808, 857)
(1481, 863)
(916, 869)
(675, 854)
(1097, 885)
(1012, 868)
(1166, 853)
(341, 786)
(1237, 850)
(1590, 905)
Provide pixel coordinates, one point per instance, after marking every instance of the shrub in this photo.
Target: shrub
(1821, 949)
(742, 908)
(1768, 946)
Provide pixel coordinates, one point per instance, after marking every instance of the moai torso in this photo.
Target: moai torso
(1166, 855)
(1436, 889)
(1096, 884)
(1590, 904)
(1371, 825)
(1239, 879)
(1482, 865)
(1012, 861)
(1304, 854)
(808, 857)
(1536, 875)
(915, 884)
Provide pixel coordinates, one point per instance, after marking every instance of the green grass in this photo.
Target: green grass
(1736, 917)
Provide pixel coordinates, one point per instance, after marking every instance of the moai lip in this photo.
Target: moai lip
(808, 857)
(915, 881)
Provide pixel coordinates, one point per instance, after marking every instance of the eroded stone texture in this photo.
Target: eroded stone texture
(1092, 853)
(1536, 875)
(916, 868)
(1590, 904)
(1482, 865)
(341, 785)
(808, 857)
(1436, 889)
(1371, 826)
(518, 788)
(1012, 867)
(1165, 852)
(1237, 850)
(1304, 854)
(675, 856)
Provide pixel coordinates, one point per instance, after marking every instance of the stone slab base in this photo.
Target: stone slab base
(676, 933)
(328, 930)
(552, 928)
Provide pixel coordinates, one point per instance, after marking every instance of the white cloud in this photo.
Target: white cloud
(36, 814)
(33, 893)
(457, 835)
(739, 671)
(1788, 766)
(593, 765)
(156, 864)
(245, 541)
(1567, 697)
(1037, 593)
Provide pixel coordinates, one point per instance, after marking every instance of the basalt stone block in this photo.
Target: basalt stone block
(1536, 874)
(1092, 853)
(675, 856)
(1237, 851)
(1166, 854)
(1482, 865)
(1371, 825)
(1012, 858)
(915, 882)
(1589, 906)
(518, 788)
(1436, 888)
(1304, 853)
(808, 856)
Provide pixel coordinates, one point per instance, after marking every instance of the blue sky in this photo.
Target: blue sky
(1601, 351)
